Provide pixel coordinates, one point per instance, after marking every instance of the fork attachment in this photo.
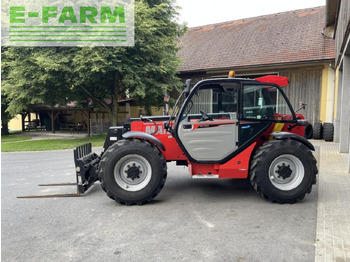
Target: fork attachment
(86, 167)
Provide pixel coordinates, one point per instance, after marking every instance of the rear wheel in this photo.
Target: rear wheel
(283, 171)
(132, 172)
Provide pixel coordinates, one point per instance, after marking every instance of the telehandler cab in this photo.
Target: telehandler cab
(219, 128)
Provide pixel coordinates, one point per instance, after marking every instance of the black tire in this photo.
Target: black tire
(318, 130)
(328, 132)
(283, 171)
(308, 134)
(132, 172)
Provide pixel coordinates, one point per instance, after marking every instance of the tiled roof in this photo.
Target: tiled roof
(288, 37)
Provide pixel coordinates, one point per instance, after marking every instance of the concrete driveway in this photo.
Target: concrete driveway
(190, 220)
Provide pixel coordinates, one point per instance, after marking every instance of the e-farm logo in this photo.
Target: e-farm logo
(67, 23)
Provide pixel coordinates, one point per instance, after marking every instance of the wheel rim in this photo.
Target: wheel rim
(286, 172)
(132, 172)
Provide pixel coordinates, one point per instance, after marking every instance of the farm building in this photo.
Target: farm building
(290, 44)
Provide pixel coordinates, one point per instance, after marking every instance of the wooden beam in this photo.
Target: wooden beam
(53, 115)
(87, 116)
(88, 123)
(52, 122)
(84, 114)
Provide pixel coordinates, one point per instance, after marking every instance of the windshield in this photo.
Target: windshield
(218, 100)
(264, 102)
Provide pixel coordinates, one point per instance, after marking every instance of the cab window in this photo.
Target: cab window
(264, 102)
(215, 100)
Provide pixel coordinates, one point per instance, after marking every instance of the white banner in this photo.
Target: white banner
(67, 23)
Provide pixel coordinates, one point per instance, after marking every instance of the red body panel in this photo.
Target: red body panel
(237, 167)
(173, 151)
(299, 130)
(278, 80)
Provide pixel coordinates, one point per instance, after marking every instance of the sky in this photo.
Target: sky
(200, 12)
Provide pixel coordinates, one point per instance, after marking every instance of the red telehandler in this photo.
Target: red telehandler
(219, 128)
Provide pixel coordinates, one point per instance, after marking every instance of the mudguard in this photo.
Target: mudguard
(287, 135)
(135, 134)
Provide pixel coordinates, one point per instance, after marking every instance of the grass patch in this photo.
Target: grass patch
(9, 138)
(51, 144)
(15, 132)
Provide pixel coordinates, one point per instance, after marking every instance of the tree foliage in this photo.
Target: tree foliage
(57, 75)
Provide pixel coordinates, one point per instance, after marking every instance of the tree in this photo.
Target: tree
(5, 115)
(36, 75)
(57, 75)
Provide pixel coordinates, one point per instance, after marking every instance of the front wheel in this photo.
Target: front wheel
(132, 172)
(283, 171)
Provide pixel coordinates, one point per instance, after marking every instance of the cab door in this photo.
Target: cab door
(208, 130)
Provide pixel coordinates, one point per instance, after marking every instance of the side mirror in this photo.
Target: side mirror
(302, 106)
(187, 87)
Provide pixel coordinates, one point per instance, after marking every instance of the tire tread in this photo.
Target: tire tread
(258, 160)
(124, 143)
